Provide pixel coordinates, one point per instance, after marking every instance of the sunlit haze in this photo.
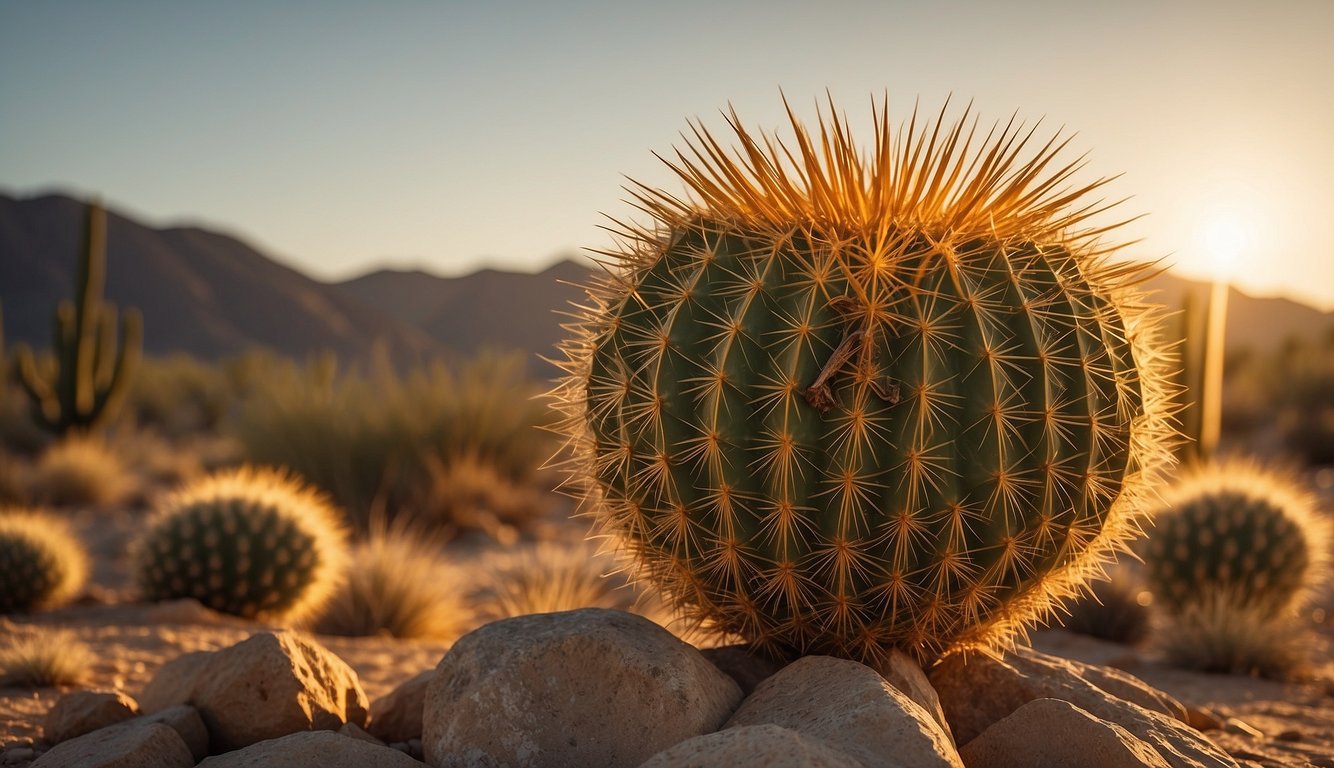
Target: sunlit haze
(339, 137)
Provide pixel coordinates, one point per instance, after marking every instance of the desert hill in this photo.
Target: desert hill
(213, 295)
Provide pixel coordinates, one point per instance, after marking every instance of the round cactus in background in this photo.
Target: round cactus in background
(250, 542)
(1235, 532)
(42, 564)
(842, 398)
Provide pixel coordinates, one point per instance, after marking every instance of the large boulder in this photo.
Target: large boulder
(1047, 732)
(313, 749)
(1025, 675)
(579, 688)
(853, 708)
(771, 746)
(124, 745)
(270, 685)
(397, 716)
(977, 689)
(83, 712)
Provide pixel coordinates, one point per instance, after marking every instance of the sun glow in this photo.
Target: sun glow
(1226, 241)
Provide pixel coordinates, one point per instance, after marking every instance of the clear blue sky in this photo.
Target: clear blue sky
(339, 136)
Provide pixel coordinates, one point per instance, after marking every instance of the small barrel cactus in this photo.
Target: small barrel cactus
(1236, 532)
(841, 401)
(251, 542)
(42, 564)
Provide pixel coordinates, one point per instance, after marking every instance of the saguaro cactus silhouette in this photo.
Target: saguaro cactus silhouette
(841, 399)
(92, 373)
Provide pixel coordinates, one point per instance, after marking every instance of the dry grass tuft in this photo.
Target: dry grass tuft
(474, 493)
(43, 660)
(396, 585)
(550, 577)
(1223, 635)
(80, 472)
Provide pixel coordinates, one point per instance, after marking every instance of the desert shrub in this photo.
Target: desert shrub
(42, 564)
(252, 542)
(549, 577)
(1227, 635)
(382, 441)
(396, 585)
(1114, 612)
(80, 471)
(44, 659)
(179, 395)
(468, 492)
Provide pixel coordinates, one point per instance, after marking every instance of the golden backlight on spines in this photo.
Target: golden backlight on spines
(841, 401)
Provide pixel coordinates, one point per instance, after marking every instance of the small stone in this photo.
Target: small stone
(768, 745)
(742, 664)
(397, 716)
(852, 708)
(1050, 732)
(1203, 719)
(1242, 728)
(905, 674)
(354, 731)
(1290, 735)
(124, 745)
(270, 685)
(312, 749)
(172, 683)
(577, 688)
(83, 712)
(16, 755)
(979, 689)
(185, 720)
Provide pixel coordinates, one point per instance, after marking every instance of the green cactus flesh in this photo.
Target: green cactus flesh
(843, 442)
(1233, 544)
(245, 551)
(40, 563)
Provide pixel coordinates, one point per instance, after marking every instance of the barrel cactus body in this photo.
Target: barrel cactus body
(42, 564)
(250, 542)
(1238, 533)
(838, 402)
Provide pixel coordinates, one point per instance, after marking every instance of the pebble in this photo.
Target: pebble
(1242, 728)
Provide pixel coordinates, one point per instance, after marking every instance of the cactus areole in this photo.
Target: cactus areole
(842, 399)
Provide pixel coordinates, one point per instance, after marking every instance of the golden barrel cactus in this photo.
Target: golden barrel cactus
(842, 399)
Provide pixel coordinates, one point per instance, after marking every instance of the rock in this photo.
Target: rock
(578, 688)
(270, 685)
(397, 716)
(768, 745)
(185, 720)
(978, 690)
(355, 732)
(1203, 719)
(1047, 732)
(313, 749)
(1242, 728)
(854, 709)
(739, 663)
(172, 683)
(82, 712)
(124, 745)
(905, 674)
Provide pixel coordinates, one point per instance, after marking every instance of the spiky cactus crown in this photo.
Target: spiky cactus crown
(42, 564)
(841, 401)
(253, 542)
(1239, 532)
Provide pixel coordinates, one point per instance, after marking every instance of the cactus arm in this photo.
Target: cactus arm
(111, 394)
(44, 404)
